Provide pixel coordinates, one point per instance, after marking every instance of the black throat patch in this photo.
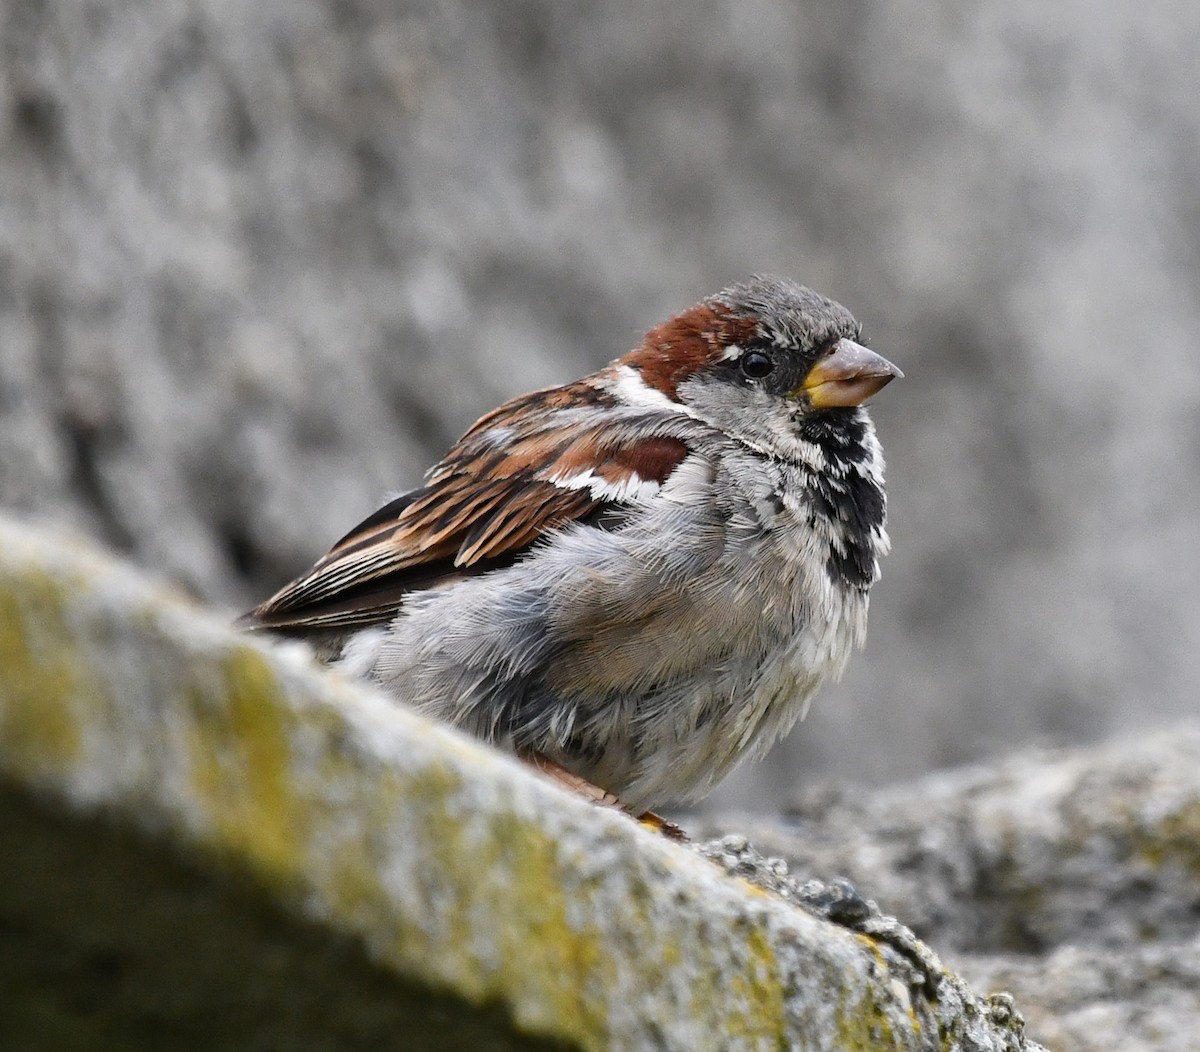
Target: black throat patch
(848, 494)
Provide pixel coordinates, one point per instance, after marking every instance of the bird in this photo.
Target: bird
(637, 580)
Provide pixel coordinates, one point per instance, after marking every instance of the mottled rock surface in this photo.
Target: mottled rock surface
(260, 261)
(1071, 879)
(210, 842)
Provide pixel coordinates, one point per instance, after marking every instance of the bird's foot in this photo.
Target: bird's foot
(578, 784)
(662, 825)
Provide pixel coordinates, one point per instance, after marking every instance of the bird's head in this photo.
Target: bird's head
(765, 361)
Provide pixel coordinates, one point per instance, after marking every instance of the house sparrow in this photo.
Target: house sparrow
(638, 579)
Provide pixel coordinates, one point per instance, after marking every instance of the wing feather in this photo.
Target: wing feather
(513, 478)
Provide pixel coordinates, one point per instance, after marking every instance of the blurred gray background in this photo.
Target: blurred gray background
(261, 262)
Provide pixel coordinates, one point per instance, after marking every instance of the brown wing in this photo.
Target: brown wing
(493, 496)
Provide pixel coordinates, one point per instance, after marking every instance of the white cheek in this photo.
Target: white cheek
(629, 386)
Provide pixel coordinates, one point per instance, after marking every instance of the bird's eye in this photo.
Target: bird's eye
(756, 365)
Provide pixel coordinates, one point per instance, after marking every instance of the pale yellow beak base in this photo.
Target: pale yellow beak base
(847, 376)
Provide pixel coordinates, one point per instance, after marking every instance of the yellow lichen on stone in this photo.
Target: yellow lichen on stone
(508, 934)
(39, 732)
(1176, 838)
(240, 740)
(759, 1012)
(458, 870)
(862, 1024)
(567, 956)
(492, 914)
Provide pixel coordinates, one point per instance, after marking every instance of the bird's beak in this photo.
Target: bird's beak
(847, 375)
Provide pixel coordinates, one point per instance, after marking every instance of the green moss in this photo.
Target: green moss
(39, 732)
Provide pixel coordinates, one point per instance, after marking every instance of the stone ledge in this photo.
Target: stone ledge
(461, 872)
